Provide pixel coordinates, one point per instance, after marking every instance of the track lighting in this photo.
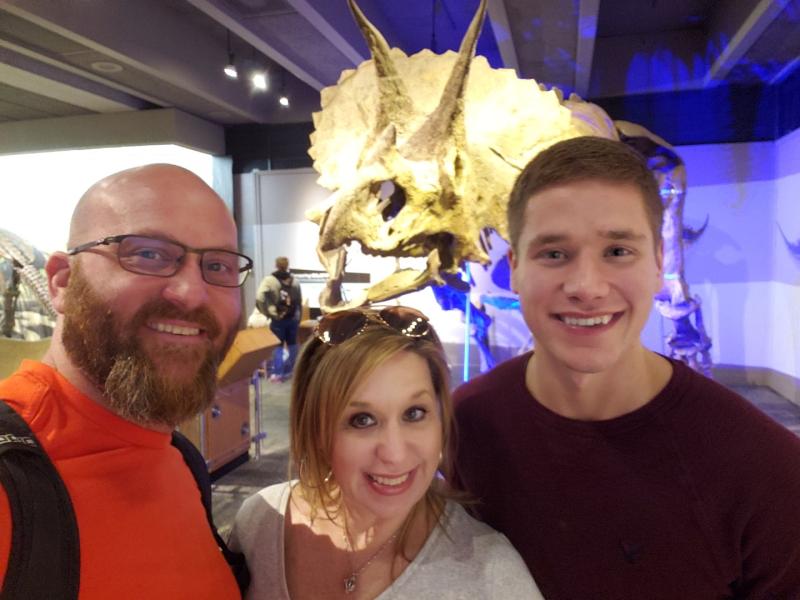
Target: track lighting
(283, 100)
(230, 68)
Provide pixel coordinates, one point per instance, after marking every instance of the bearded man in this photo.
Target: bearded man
(148, 304)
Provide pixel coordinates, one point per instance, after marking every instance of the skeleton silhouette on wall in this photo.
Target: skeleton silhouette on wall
(26, 312)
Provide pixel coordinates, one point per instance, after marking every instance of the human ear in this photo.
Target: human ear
(660, 260)
(512, 264)
(58, 271)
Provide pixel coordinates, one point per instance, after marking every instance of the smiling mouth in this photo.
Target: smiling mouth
(390, 481)
(596, 321)
(174, 329)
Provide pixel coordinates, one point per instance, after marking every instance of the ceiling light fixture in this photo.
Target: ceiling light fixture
(259, 79)
(105, 66)
(284, 99)
(230, 68)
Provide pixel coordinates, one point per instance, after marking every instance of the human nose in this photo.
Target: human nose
(187, 289)
(586, 280)
(391, 445)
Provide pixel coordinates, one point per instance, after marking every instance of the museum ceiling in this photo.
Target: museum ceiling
(75, 57)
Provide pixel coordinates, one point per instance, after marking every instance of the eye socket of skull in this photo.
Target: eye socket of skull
(386, 189)
(392, 199)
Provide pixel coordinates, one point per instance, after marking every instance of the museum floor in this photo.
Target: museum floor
(232, 488)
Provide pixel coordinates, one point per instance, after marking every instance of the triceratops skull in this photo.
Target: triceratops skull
(421, 153)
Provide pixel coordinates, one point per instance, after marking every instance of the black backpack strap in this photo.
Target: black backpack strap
(197, 465)
(44, 562)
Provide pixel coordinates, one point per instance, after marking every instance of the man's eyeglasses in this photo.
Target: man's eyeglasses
(161, 258)
(338, 327)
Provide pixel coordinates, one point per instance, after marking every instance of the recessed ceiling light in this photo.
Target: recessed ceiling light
(105, 66)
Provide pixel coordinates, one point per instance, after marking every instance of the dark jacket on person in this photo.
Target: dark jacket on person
(279, 296)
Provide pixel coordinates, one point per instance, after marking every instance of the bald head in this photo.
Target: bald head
(119, 203)
(130, 337)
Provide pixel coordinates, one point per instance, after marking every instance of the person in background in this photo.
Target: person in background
(279, 298)
(614, 471)
(370, 421)
(148, 303)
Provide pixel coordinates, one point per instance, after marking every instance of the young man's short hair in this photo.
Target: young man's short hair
(580, 159)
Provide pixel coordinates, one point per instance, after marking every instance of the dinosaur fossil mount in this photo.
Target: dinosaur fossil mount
(420, 153)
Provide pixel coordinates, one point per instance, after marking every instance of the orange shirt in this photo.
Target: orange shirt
(142, 527)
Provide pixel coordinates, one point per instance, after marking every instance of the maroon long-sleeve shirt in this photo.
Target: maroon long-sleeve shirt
(696, 495)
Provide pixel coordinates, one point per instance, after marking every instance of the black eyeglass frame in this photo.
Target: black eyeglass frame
(117, 239)
(375, 316)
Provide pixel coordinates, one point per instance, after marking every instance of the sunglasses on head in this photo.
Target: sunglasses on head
(336, 328)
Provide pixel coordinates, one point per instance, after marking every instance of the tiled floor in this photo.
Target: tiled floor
(231, 489)
(774, 405)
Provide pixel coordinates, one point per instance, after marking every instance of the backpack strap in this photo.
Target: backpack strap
(197, 465)
(44, 561)
(42, 516)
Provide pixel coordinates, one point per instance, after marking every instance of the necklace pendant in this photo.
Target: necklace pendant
(350, 584)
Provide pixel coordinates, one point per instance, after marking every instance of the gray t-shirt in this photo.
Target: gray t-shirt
(469, 561)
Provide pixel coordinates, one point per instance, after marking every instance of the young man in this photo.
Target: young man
(148, 304)
(616, 472)
(279, 297)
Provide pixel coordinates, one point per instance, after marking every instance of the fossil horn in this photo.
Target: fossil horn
(448, 118)
(395, 103)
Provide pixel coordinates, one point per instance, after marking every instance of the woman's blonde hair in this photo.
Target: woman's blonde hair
(325, 379)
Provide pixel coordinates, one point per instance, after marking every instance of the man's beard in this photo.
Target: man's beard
(110, 353)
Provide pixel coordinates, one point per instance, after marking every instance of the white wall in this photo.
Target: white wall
(741, 268)
(785, 313)
(40, 190)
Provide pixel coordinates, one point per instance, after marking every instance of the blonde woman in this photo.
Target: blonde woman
(368, 517)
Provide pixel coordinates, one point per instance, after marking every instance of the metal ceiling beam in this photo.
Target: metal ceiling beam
(310, 14)
(498, 18)
(130, 128)
(44, 86)
(584, 52)
(223, 15)
(44, 75)
(784, 72)
(170, 52)
(752, 28)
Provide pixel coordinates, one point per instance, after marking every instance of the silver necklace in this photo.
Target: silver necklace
(350, 582)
